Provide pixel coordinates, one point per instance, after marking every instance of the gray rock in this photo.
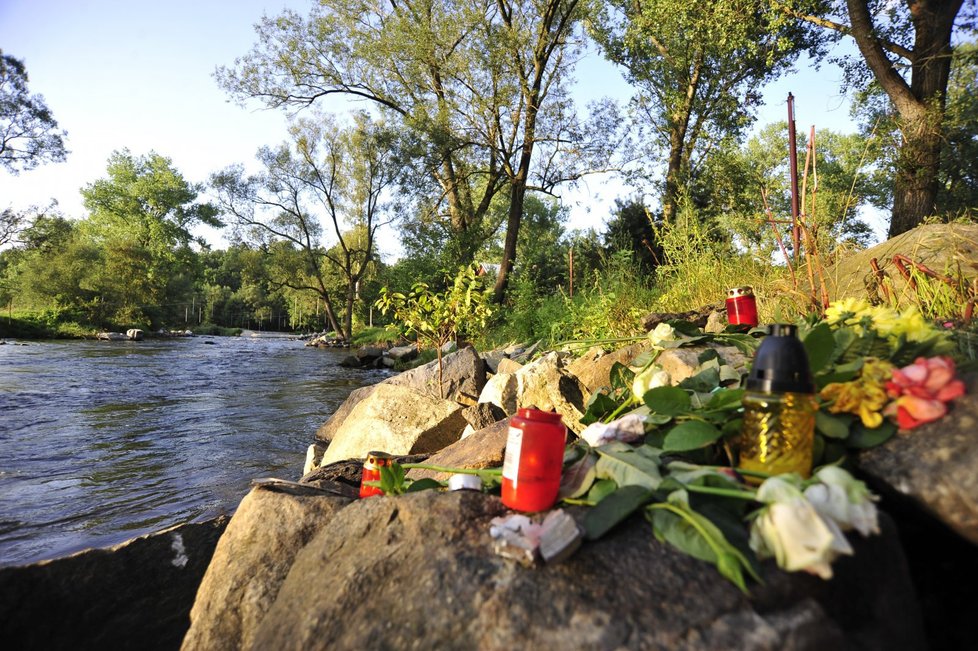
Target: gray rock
(397, 420)
(681, 363)
(482, 415)
(501, 390)
(507, 365)
(463, 376)
(368, 354)
(134, 334)
(250, 563)
(492, 359)
(403, 353)
(133, 595)
(593, 368)
(935, 464)
(327, 430)
(418, 571)
(351, 361)
(484, 448)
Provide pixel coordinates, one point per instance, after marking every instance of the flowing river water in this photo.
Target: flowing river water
(104, 441)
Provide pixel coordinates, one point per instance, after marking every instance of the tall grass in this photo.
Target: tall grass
(700, 266)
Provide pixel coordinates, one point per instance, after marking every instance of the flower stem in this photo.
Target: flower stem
(723, 492)
(488, 472)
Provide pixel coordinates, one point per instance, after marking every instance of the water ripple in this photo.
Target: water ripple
(103, 441)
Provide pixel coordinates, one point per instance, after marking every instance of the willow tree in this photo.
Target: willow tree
(317, 204)
(698, 68)
(906, 48)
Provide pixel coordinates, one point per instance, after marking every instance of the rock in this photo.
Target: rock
(348, 588)
(944, 248)
(351, 361)
(502, 390)
(697, 317)
(543, 384)
(369, 354)
(250, 563)
(403, 353)
(388, 362)
(513, 350)
(463, 377)
(111, 336)
(134, 334)
(314, 454)
(492, 359)
(482, 415)
(524, 356)
(717, 321)
(397, 420)
(507, 365)
(484, 448)
(449, 347)
(935, 464)
(328, 429)
(593, 368)
(681, 363)
(133, 595)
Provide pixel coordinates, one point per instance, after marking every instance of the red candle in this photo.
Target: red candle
(741, 306)
(371, 472)
(534, 459)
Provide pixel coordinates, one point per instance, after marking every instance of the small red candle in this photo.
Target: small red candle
(534, 460)
(741, 306)
(371, 472)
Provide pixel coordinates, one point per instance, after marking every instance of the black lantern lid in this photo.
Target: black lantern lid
(781, 363)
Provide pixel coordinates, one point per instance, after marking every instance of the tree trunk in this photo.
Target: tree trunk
(920, 104)
(351, 297)
(334, 323)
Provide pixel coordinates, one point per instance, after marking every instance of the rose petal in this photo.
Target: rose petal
(923, 410)
(913, 374)
(905, 420)
(951, 391)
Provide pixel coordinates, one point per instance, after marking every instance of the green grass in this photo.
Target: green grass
(211, 329)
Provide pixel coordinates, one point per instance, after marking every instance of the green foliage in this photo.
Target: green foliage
(29, 134)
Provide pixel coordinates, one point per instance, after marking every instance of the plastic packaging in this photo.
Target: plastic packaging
(779, 407)
(534, 460)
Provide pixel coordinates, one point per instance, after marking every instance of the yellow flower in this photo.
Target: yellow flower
(848, 311)
(865, 396)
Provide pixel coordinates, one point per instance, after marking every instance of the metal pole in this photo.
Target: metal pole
(793, 160)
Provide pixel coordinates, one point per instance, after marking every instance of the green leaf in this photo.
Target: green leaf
(644, 359)
(667, 400)
(621, 377)
(863, 437)
(628, 466)
(833, 427)
(690, 435)
(840, 373)
(744, 343)
(820, 346)
(601, 489)
(726, 399)
(427, 483)
(708, 355)
(600, 405)
(705, 381)
(613, 509)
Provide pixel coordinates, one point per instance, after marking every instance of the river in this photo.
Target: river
(104, 441)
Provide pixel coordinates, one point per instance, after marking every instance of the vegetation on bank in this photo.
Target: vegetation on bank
(464, 180)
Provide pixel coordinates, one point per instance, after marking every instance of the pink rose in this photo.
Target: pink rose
(921, 391)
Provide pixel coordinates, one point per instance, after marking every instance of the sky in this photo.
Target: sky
(138, 74)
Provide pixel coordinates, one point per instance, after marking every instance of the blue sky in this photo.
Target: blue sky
(138, 74)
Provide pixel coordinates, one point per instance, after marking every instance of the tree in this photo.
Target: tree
(907, 50)
(474, 85)
(630, 229)
(420, 63)
(327, 179)
(29, 134)
(699, 68)
(142, 214)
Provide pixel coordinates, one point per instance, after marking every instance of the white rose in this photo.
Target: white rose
(792, 531)
(840, 497)
(662, 332)
(652, 377)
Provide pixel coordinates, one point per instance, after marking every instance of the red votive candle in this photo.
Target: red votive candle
(534, 460)
(741, 306)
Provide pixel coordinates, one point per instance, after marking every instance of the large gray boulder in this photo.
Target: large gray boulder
(135, 595)
(462, 378)
(418, 571)
(398, 420)
(250, 563)
(327, 430)
(935, 464)
(545, 384)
